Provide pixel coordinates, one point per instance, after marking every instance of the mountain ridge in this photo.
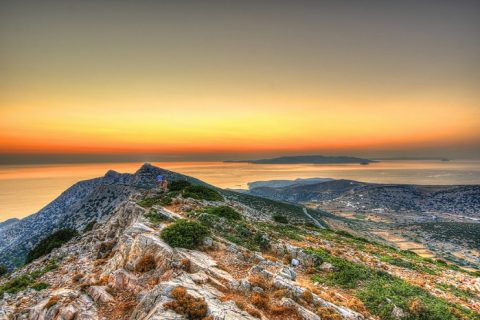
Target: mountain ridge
(255, 259)
(309, 159)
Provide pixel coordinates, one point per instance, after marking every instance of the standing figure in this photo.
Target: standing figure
(162, 183)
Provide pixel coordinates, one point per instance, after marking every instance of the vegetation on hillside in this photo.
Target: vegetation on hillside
(225, 212)
(381, 292)
(27, 280)
(201, 193)
(279, 218)
(155, 217)
(185, 234)
(89, 226)
(3, 270)
(52, 241)
(163, 199)
(185, 304)
(468, 233)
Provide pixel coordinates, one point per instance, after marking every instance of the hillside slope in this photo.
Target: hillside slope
(248, 267)
(461, 200)
(90, 200)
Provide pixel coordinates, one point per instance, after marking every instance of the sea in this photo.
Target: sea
(25, 189)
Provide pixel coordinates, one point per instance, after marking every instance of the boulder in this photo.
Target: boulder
(99, 294)
(288, 273)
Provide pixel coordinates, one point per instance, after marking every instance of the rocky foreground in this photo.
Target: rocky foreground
(123, 269)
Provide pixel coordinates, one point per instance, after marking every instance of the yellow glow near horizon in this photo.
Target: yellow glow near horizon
(246, 77)
(208, 125)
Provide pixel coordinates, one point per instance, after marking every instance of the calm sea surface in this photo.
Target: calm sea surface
(26, 189)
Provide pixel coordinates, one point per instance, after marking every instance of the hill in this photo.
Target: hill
(313, 159)
(199, 252)
(86, 201)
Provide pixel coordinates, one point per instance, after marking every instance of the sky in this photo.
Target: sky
(205, 80)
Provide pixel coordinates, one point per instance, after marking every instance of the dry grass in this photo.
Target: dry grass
(279, 294)
(307, 296)
(187, 305)
(327, 313)
(270, 257)
(146, 263)
(260, 300)
(186, 264)
(242, 303)
(52, 301)
(122, 308)
(259, 281)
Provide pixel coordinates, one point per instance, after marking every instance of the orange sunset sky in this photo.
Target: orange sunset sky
(240, 80)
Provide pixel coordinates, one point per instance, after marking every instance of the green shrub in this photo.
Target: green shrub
(398, 262)
(208, 220)
(24, 281)
(40, 286)
(201, 193)
(381, 292)
(155, 217)
(262, 241)
(89, 226)
(54, 240)
(16, 284)
(3, 270)
(282, 230)
(280, 218)
(185, 234)
(178, 185)
(414, 300)
(347, 274)
(163, 200)
(225, 212)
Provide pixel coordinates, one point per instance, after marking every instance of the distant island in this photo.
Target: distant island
(414, 159)
(313, 159)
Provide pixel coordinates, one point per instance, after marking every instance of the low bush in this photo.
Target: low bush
(225, 212)
(40, 286)
(261, 240)
(185, 234)
(155, 217)
(398, 262)
(54, 240)
(3, 270)
(16, 284)
(201, 193)
(89, 226)
(26, 280)
(280, 218)
(178, 185)
(287, 230)
(163, 200)
(185, 304)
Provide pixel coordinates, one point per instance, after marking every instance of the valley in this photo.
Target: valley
(433, 221)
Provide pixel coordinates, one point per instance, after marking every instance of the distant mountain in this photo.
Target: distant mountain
(456, 200)
(313, 159)
(286, 183)
(85, 201)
